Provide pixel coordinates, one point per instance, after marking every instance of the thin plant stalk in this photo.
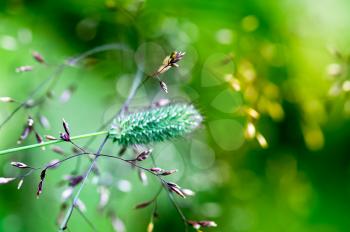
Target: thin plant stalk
(135, 86)
(58, 71)
(23, 148)
(76, 197)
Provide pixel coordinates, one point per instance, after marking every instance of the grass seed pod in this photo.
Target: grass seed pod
(156, 124)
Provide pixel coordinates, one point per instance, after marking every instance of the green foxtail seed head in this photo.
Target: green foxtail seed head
(155, 125)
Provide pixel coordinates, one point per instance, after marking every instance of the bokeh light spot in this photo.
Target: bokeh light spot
(215, 68)
(227, 101)
(169, 158)
(250, 23)
(228, 134)
(149, 57)
(202, 156)
(224, 36)
(8, 43)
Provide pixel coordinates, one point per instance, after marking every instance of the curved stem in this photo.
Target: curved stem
(60, 69)
(86, 219)
(57, 72)
(15, 149)
(102, 48)
(177, 207)
(172, 199)
(76, 197)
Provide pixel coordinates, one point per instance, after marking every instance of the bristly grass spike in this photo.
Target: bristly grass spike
(155, 125)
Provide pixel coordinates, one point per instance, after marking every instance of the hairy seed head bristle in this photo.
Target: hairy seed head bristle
(156, 124)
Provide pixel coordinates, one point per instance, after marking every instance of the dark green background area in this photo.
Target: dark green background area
(289, 187)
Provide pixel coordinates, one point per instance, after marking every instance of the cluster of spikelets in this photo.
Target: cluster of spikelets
(156, 124)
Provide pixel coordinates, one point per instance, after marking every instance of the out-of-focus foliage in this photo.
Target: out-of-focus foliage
(271, 78)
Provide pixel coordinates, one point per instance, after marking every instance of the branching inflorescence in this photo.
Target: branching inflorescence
(137, 130)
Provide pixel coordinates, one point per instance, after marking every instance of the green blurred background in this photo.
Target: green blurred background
(286, 59)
